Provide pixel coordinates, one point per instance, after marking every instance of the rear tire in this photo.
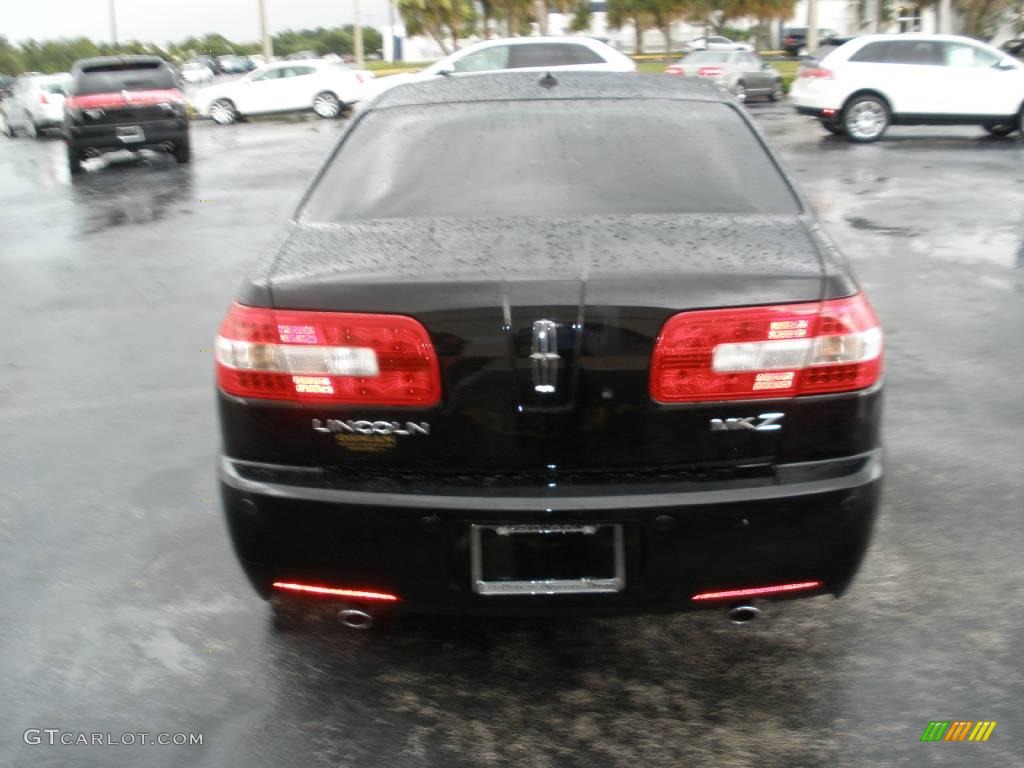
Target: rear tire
(183, 152)
(836, 129)
(778, 92)
(31, 129)
(1000, 129)
(327, 105)
(223, 112)
(9, 131)
(74, 161)
(865, 118)
(740, 92)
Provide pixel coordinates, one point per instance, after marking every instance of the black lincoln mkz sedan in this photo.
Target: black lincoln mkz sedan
(538, 345)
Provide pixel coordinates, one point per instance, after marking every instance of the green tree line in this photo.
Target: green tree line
(58, 55)
(449, 21)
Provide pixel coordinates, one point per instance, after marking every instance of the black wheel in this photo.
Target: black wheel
(865, 118)
(778, 92)
(183, 152)
(9, 131)
(223, 112)
(836, 129)
(31, 129)
(740, 91)
(1000, 129)
(327, 105)
(74, 161)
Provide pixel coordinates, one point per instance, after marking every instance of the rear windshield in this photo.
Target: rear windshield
(549, 158)
(124, 77)
(708, 57)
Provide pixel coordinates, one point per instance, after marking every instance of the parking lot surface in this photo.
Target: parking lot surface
(124, 611)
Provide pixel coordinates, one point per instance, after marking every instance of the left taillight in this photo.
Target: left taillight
(327, 357)
(748, 353)
(710, 72)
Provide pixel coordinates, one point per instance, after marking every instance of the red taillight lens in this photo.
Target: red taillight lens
(327, 357)
(749, 353)
(709, 71)
(674, 70)
(816, 73)
(789, 41)
(43, 99)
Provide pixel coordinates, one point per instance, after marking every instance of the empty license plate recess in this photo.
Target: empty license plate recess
(547, 559)
(131, 134)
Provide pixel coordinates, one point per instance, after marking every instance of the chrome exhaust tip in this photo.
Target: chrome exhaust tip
(353, 618)
(742, 614)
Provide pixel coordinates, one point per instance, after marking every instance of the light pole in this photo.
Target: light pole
(946, 17)
(268, 47)
(811, 41)
(358, 34)
(113, 23)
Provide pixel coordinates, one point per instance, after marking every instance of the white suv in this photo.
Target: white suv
(872, 82)
(521, 54)
(36, 104)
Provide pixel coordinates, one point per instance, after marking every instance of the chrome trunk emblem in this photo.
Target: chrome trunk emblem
(544, 356)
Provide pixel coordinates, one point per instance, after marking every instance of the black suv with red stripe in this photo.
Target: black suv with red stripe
(522, 351)
(124, 102)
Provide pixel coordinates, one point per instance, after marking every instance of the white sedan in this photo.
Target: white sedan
(285, 86)
(519, 54)
(196, 72)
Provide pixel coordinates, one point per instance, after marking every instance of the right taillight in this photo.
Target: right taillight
(327, 357)
(748, 353)
(815, 73)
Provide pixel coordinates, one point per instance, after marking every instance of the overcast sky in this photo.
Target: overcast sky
(162, 21)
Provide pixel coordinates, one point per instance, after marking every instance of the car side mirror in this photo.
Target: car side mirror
(765, 65)
(446, 71)
(1005, 64)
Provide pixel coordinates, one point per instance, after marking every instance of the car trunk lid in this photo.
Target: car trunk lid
(544, 331)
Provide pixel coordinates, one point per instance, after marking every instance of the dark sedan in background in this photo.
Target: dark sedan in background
(508, 360)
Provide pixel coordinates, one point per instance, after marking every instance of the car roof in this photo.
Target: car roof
(40, 77)
(917, 36)
(563, 39)
(555, 85)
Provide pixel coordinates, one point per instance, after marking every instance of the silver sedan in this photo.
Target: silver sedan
(741, 72)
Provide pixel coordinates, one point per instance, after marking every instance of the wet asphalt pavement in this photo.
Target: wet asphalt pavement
(122, 609)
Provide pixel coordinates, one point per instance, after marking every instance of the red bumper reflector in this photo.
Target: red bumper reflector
(356, 594)
(775, 589)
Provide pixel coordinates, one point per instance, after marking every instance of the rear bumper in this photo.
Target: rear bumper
(812, 521)
(174, 130)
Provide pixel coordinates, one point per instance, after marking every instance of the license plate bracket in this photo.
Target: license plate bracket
(547, 559)
(130, 134)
